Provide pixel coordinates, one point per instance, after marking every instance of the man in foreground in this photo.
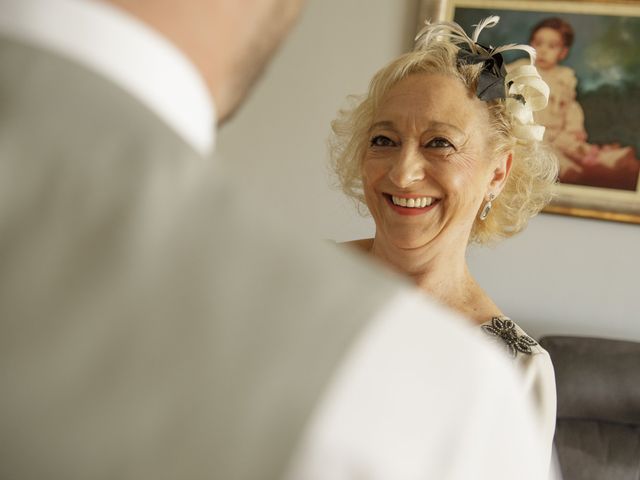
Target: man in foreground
(153, 326)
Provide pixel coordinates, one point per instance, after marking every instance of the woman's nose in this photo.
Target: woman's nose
(408, 168)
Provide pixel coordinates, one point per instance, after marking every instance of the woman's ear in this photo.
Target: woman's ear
(500, 173)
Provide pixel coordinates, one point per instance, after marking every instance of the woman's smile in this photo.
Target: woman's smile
(410, 204)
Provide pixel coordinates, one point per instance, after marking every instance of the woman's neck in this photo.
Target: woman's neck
(439, 270)
(432, 268)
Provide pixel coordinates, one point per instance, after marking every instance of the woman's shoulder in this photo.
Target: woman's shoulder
(534, 364)
(512, 337)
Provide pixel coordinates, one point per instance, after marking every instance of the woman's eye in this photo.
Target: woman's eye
(382, 141)
(439, 143)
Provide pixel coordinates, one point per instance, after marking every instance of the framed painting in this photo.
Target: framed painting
(589, 54)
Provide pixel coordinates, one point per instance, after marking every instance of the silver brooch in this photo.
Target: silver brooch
(505, 329)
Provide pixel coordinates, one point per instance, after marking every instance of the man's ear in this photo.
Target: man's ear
(501, 173)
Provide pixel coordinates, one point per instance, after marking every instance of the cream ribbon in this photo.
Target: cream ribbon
(524, 82)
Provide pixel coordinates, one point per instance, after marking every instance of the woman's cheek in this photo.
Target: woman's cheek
(373, 169)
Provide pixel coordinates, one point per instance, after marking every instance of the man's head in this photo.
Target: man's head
(229, 41)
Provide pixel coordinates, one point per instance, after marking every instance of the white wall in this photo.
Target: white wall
(279, 137)
(566, 275)
(562, 275)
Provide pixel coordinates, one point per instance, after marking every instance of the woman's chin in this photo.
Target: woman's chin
(405, 237)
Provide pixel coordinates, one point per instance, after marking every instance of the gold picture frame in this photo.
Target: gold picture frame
(604, 183)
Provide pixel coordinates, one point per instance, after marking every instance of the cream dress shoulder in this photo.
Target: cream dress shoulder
(536, 367)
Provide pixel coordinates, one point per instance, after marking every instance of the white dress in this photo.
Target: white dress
(535, 365)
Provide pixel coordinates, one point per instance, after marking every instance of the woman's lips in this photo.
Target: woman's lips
(411, 205)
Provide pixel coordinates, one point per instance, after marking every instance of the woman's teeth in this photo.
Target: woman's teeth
(412, 202)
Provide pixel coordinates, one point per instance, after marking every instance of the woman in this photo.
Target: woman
(444, 152)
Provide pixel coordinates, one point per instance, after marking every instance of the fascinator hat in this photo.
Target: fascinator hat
(521, 89)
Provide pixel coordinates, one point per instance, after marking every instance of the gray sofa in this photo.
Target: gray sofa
(598, 427)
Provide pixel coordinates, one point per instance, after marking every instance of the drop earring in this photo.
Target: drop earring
(487, 207)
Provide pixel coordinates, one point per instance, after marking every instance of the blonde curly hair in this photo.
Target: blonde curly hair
(534, 168)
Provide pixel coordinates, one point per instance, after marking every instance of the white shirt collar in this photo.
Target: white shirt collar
(124, 49)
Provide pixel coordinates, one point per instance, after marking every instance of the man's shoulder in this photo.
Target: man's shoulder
(338, 281)
(273, 242)
(421, 378)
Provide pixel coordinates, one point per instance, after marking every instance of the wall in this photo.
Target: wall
(278, 140)
(567, 275)
(562, 275)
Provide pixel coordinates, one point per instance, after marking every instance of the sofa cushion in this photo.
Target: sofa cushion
(598, 423)
(597, 378)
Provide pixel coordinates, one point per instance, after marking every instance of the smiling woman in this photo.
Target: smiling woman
(528, 186)
(443, 151)
(427, 142)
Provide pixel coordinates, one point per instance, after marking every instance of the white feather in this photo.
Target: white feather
(488, 22)
(513, 46)
(451, 31)
(433, 32)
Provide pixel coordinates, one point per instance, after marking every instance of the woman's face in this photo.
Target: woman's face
(550, 49)
(426, 169)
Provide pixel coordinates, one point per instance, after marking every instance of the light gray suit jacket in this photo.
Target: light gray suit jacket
(154, 322)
